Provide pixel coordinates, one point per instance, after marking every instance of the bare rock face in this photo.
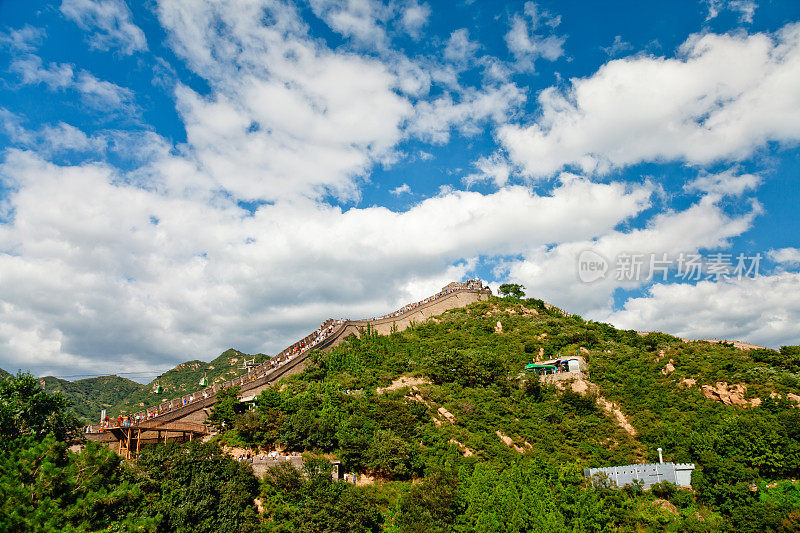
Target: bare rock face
(666, 506)
(728, 394)
(508, 441)
(582, 386)
(499, 327)
(789, 396)
(616, 413)
(733, 394)
(416, 395)
(447, 415)
(465, 450)
(668, 368)
(404, 381)
(584, 350)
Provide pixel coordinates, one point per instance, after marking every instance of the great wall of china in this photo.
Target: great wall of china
(187, 414)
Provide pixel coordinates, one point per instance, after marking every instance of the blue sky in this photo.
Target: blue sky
(178, 177)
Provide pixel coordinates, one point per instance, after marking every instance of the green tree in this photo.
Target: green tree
(309, 501)
(508, 498)
(27, 410)
(432, 506)
(223, 414)
(512, 290)
(390, 456)
(198, 488)
(43, 487)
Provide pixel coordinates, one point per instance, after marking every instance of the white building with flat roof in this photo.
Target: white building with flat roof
(648, 473)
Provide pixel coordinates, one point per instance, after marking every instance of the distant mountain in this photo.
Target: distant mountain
(119, 395)
(185, 378)
(90, 396)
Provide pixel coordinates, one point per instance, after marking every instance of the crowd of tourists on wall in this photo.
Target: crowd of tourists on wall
(472, 284)
(120, 422)
(278, 361)
(285, 357)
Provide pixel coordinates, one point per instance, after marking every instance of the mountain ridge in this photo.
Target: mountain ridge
(120, 396)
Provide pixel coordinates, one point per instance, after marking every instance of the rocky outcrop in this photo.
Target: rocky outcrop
(465, 451)
(666, 506)
(739, 345)
(736, 344)
(415, 395)
(584, 387)
(616, 413)
(732, 394)
(729, 394)
(789, 396)
(403, 381)
(508, 441)
(447, 415)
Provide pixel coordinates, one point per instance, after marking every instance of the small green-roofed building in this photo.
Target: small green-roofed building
(541, 369)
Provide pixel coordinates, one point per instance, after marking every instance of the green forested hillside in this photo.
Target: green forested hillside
(447, 434)
(118, 395)
(90, 396)
(185, 378)
(500, 452)
(46, 487)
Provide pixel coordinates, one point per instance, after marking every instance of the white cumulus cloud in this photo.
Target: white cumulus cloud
(764, 310)
(787, 256)
(525, 40)
(99, 273)
(745, 8)
(415, 17)
(109, 22)
(401, 189)
(721, 98)
(95, 92)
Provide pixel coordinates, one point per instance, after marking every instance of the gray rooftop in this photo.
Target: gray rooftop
(649, 473)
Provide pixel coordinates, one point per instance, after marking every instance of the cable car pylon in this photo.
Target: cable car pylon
(157, 388)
